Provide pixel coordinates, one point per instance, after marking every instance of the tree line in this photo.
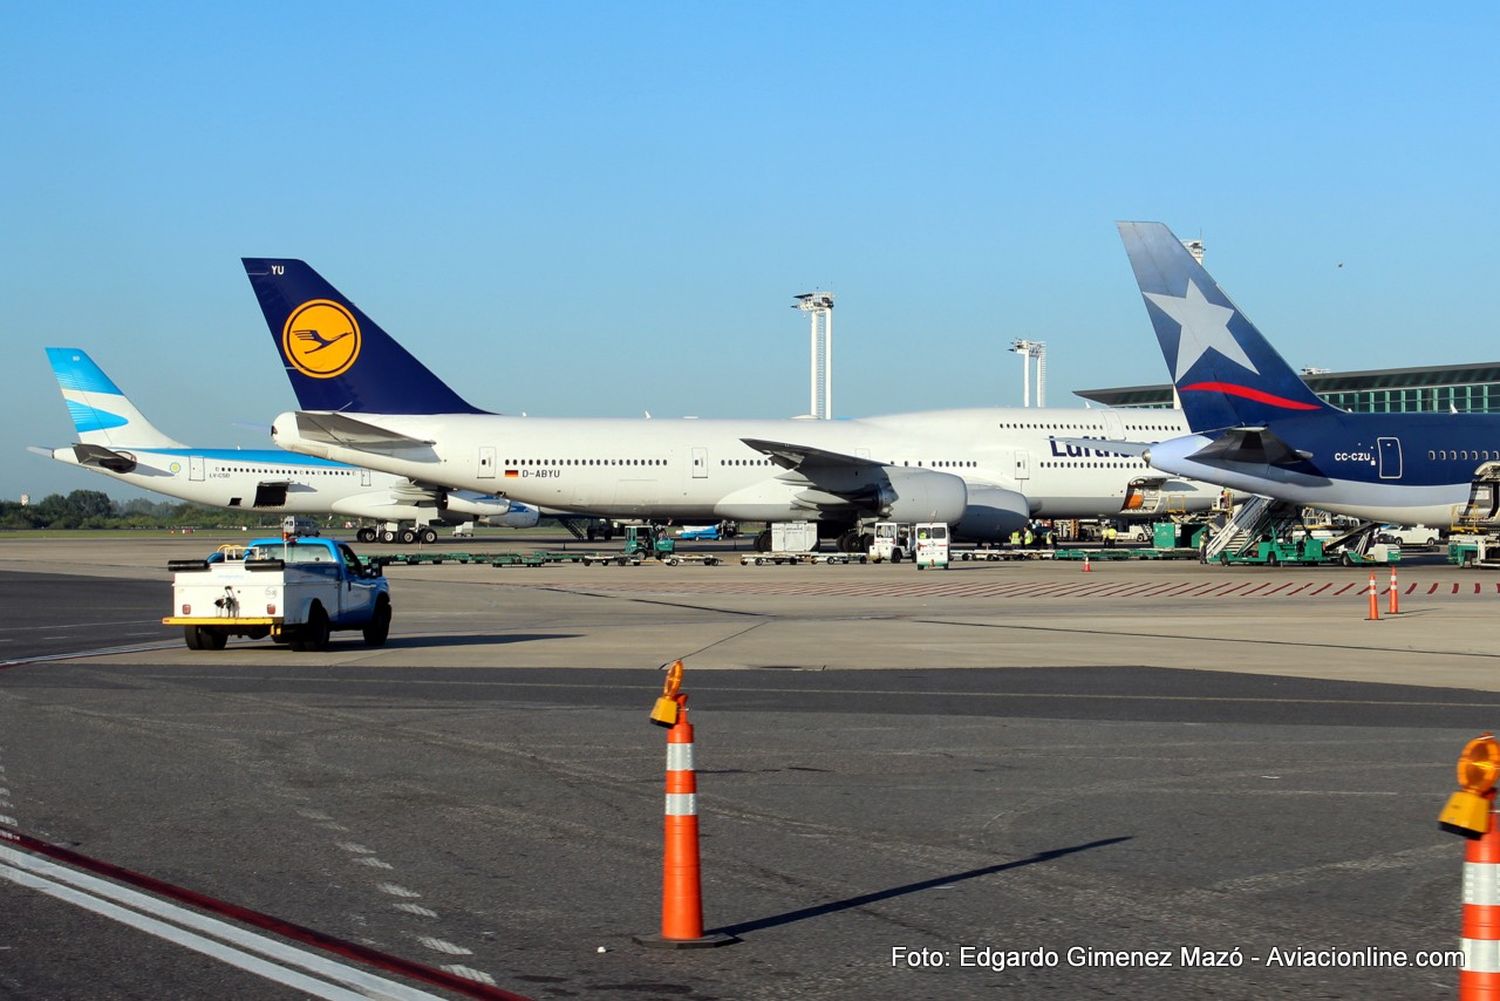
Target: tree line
(96, 509)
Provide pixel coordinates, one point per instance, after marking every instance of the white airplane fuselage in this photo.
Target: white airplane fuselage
(687, 468)
(281, 483)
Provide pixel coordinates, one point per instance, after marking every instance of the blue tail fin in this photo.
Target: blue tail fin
(102, 414)
(336, 357)
(1225, 372)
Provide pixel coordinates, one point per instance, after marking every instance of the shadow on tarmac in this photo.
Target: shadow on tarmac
(470, 639)
(897, 891)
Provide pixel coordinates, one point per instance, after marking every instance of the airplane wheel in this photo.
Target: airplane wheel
(428, 536)
(365, 535)
(408, 536)
(387, 536)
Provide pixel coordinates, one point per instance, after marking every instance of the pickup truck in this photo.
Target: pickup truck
(295, 590)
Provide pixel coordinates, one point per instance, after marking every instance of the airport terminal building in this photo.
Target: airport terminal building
(1465, 389)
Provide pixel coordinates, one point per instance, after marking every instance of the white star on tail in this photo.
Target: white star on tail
(1204, 326)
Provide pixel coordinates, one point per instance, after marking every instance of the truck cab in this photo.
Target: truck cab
(892, 542)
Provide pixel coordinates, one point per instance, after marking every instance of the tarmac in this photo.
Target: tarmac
(1152, 759)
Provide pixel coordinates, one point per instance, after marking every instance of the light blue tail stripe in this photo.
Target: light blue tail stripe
(75, 370)
(89, 419)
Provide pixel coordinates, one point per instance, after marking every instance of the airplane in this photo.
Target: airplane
(1257, 428)
(116, 440)
(365, 399)
(698, 532)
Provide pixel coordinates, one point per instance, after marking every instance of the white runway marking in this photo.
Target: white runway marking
(105, 898)
(447, 948)
(397, 890)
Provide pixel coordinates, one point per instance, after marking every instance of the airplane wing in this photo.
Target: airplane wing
(345, 431)
(797, 456)
(1251, 444)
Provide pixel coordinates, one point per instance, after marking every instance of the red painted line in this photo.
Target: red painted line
(1278, 587)
(1320, 590)
(1432, 589)
(286, 929)
(1455, 587)
(1345, 588)
(1476, 587)
(1295, 590)
(1412, 587)
(1255, 588)
(1259, 396)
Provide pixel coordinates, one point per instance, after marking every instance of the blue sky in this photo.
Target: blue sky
(601, 209)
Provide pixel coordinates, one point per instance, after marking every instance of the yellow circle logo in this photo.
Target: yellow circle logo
(320, 339)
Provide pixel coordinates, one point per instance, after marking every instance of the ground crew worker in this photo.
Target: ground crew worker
(1029, 538)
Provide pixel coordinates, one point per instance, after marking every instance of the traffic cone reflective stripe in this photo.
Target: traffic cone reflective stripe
(1395, 606)
(1374, 615)
(1086, 563)
(1479, 979)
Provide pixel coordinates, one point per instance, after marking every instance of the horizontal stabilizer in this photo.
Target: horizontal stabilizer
(1253, 445)
(346, 432)
(104, 458)
(796, 456)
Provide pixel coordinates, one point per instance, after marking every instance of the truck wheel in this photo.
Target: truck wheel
(896, 555)
(429, 536)
(1272, 560)
(213, 639)
(193, 637)
(380, 624)
(314, 635)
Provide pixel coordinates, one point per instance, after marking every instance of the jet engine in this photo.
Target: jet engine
(922, 495)
(992, 513)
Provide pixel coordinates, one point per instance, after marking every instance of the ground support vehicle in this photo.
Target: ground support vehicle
(692, 559)
(932, 546)
(1308, 552)
(892, 542)
(648, 541)
(295, 590)
(764, 559)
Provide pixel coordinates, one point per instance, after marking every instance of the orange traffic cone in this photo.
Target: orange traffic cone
(1086, 567)
(1395, 606)
(1479, 978)
(681, 889)
(1374, 615)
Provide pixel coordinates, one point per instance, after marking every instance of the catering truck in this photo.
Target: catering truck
(296, 590)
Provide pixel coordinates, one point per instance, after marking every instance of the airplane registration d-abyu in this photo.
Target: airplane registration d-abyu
(116, 440)
(366, 400)
(1258, 428)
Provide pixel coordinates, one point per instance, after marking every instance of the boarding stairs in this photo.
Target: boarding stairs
(1253, 520)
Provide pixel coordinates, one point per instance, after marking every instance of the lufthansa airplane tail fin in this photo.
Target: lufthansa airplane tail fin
(1225, 372)
(336, 357)
(102, 414)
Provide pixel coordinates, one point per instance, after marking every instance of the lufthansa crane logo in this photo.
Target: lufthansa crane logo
(321, 339)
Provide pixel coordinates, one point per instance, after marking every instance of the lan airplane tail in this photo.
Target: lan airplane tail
(336, 357)
(1226, 373)
(102, 415)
